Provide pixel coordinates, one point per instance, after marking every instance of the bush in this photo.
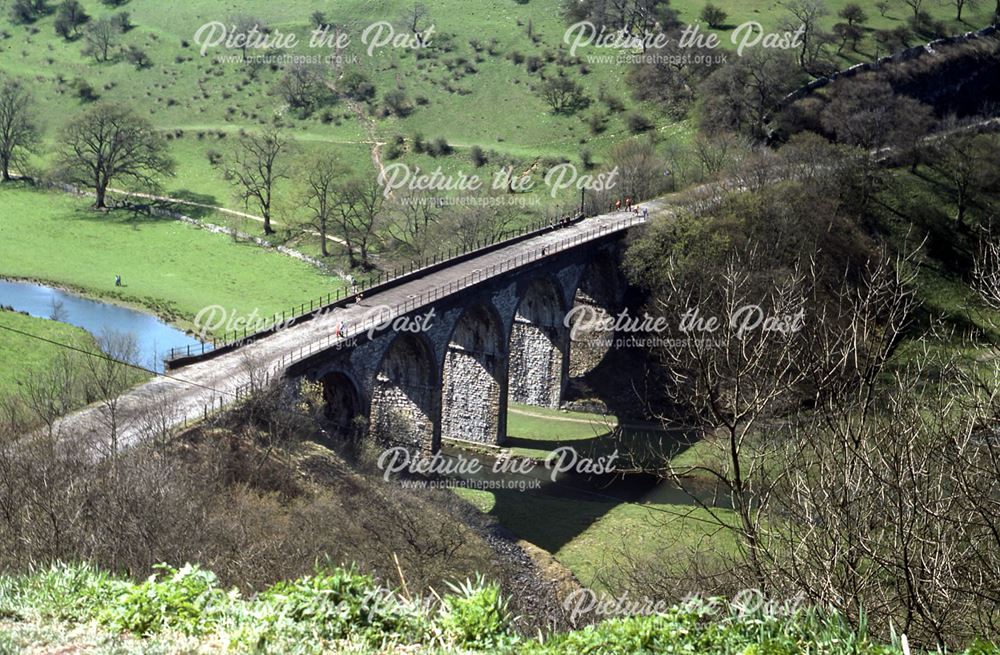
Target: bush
(478, 156)
(122, 21)
(357, 86)
(84, 90)
(419, 146)
(396, 103)
(597, 123)
(638, 123)
(188, 601)
(439, 147)
(394, 151)
(714, 16)
(137, 57)
(476, 616)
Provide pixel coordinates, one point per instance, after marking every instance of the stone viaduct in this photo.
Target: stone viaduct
(449, 369)
(468, 336)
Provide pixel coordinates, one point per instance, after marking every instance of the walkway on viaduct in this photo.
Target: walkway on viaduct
(496, 333)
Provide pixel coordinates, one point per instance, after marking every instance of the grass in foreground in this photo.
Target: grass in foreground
(335, 610)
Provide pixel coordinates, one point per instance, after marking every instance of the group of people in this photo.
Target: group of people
(629, 207)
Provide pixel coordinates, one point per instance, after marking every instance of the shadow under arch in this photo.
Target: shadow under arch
(343, 401)
(405, 408)
(597, 298)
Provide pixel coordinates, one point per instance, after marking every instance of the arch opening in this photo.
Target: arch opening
(473, 406)
(538, 345)
(405, 396)
(343, 403)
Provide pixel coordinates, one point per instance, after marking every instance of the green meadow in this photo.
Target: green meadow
(167, 266)
(22, 355)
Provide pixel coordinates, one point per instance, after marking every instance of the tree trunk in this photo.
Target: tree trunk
(99, 203)
(267, 223)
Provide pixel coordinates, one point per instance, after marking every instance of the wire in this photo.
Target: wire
(102, 355)
(105, 356)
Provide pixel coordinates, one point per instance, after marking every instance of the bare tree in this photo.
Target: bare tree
(807, 14)
(415, 214)
(740, 96)
(255, 169)
(470, 226)
(415, 17)
(642, 173)
(111, 142)
(914, 5)
(961, 5)
(325, 173)
(249, 30)
(303, 87)
(108, 373)
(357, 214)
(99, 38)
(969, 163)
(18, 129)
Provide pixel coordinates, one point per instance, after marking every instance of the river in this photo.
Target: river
(154, 338)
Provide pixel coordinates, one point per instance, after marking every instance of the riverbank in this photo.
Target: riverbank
(168, 268)
(22, 355)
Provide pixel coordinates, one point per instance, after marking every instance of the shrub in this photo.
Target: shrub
(137, 57)
(395, 102)
(476, 616)
(419, 146)
(597, 123)
(714, 16)
(638, 122)
(122, 21)
(478, 156)
(357, 86)
(439, 147)
(84, 90)
(393, 151)
(188, 601)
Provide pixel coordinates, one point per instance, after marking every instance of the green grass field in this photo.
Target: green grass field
(589, 535)
(168, 267)
(21, 355)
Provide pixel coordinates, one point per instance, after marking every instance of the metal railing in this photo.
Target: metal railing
(338, 300)
(343, 296)
(296, 355)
